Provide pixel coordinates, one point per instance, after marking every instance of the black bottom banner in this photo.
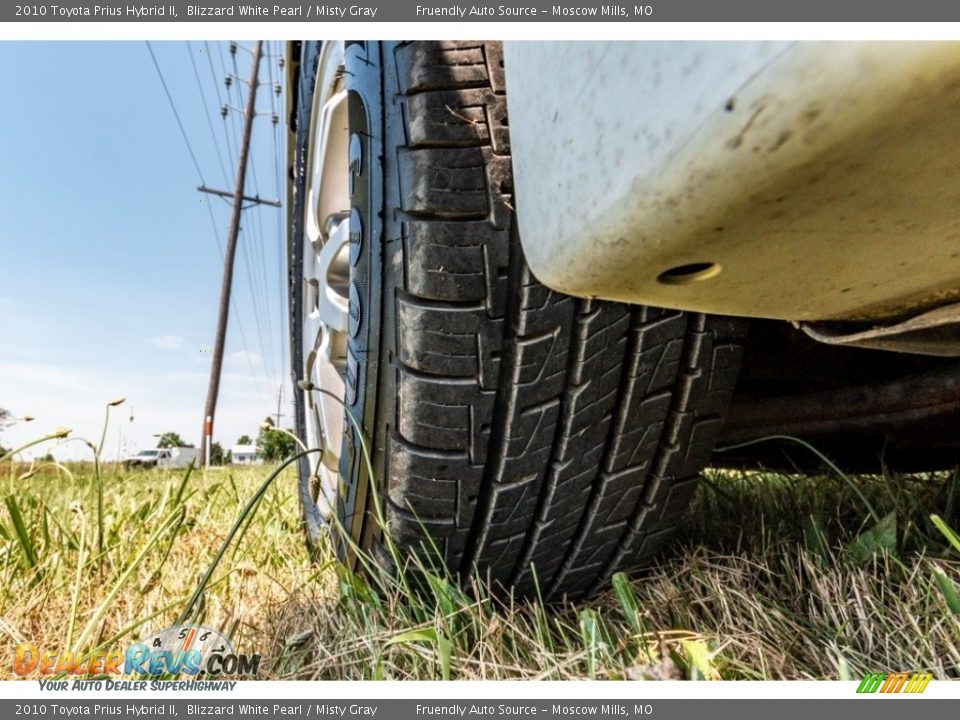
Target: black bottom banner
(875, 708)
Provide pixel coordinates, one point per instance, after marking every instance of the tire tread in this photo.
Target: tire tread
(539, 440)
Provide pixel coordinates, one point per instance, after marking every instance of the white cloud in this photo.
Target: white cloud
(168, 342)
(242, 359)
(22, 374)
(64, 395)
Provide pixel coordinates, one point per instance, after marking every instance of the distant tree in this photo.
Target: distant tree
(49, 458)
(244, 440)
(171, 439)
(273, 444)
(6, 418)
(217, 454)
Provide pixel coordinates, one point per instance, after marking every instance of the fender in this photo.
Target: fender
(798, 181)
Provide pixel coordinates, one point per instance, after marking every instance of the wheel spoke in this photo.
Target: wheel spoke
(331, 265)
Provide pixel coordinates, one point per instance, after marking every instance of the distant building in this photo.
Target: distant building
(244, 455)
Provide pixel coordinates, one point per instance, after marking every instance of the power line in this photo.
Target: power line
(275, 103)
(236, 314)
(227, 125)
(216, 86)
(235, 83)
(213, 73)
(228, 141)
(173, 107)
(253, 299)
(278, 180)
(206, 113)
(268, 303)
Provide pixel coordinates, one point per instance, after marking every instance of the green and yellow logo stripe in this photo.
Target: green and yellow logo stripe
(895, 683)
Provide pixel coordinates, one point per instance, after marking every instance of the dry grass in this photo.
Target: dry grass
(136, 588)
(774, 576)
(772, 579)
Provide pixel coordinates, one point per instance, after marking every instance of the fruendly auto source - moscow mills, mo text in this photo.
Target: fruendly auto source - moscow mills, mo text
(541, 11)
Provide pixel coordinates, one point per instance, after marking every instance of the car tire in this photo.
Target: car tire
(539, 440)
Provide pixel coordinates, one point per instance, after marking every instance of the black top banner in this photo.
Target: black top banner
(527, 11)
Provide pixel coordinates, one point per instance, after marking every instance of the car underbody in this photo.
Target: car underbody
(864, 409)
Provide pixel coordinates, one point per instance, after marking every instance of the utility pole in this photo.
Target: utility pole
(230, 252)
(279, 403)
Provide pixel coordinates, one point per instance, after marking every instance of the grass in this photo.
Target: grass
(774, 577)
(160, 532)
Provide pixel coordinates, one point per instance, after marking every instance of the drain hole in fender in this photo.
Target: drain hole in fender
(690, 273)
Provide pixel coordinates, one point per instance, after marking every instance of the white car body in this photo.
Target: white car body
(800, 181)
(165, 458)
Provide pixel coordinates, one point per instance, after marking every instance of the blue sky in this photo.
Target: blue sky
(109, 265)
